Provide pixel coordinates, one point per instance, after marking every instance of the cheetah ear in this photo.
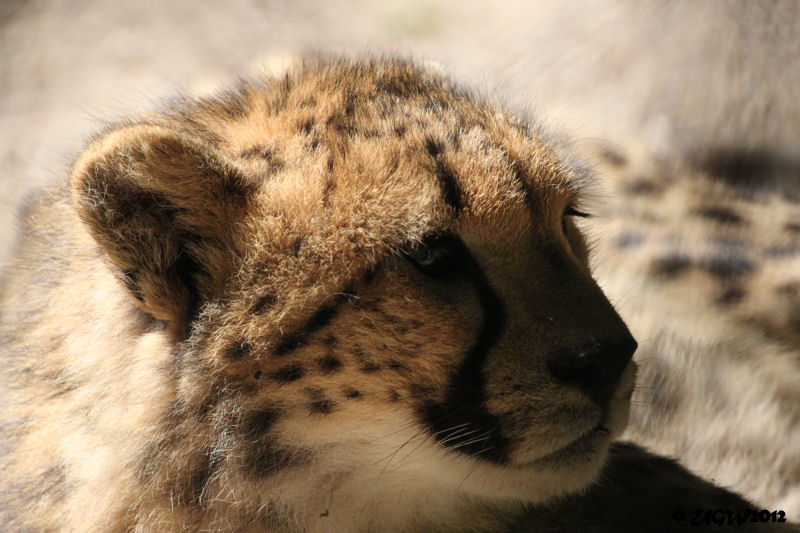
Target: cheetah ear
(162, 204)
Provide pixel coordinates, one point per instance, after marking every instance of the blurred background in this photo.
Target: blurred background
(674, 76)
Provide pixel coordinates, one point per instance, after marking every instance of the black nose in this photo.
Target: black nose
(596, 367)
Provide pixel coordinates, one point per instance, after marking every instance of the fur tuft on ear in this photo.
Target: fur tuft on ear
(161, 205)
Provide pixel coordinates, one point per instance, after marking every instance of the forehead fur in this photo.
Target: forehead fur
(363, 157)
(401, 144)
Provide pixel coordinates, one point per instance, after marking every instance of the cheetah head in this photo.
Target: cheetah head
(362, 273)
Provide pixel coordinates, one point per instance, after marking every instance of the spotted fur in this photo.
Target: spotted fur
(352, 298)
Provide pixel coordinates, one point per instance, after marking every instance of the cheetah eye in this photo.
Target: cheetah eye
(437, 255)
(571, 212)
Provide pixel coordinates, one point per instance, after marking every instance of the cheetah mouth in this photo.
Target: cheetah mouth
(598, 432)
(586, 446)
(594, 442)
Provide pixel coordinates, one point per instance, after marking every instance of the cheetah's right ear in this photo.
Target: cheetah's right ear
(162, 205)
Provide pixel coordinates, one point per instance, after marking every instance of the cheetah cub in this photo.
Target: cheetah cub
(351, 298)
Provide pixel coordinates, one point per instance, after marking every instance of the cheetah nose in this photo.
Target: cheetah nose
(596, 367)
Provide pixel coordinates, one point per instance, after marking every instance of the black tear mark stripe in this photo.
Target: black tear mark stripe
(464, 404)
(451, 192)
(321, 318)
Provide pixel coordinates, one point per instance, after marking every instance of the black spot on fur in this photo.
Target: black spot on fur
(306, 126)
(781, 252)
(399, 84)
(365, 364)
(253, 152)
(266, 458)
(330, 185)
(263, 304)
(524, 185)
(288, 344)
(265, 153)
(454, 137)
(232, 104)
(257, 374)
(792, 227)
(394, 396)
(434, 148)
(629, 239)
(319, 403)
(288, 373)
(791, 289)
(613, 157)
(397, 366)
(419, 390)
(259, 423)
(238, 350)
(329, 363)
(321, 318)
(670, 266)
(641, 187)
(729, 266)
(738, 166)
(721, 214)
(369, 368)
(352, 394)
(297, 245)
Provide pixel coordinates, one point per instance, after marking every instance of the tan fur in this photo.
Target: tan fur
(228, 324)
